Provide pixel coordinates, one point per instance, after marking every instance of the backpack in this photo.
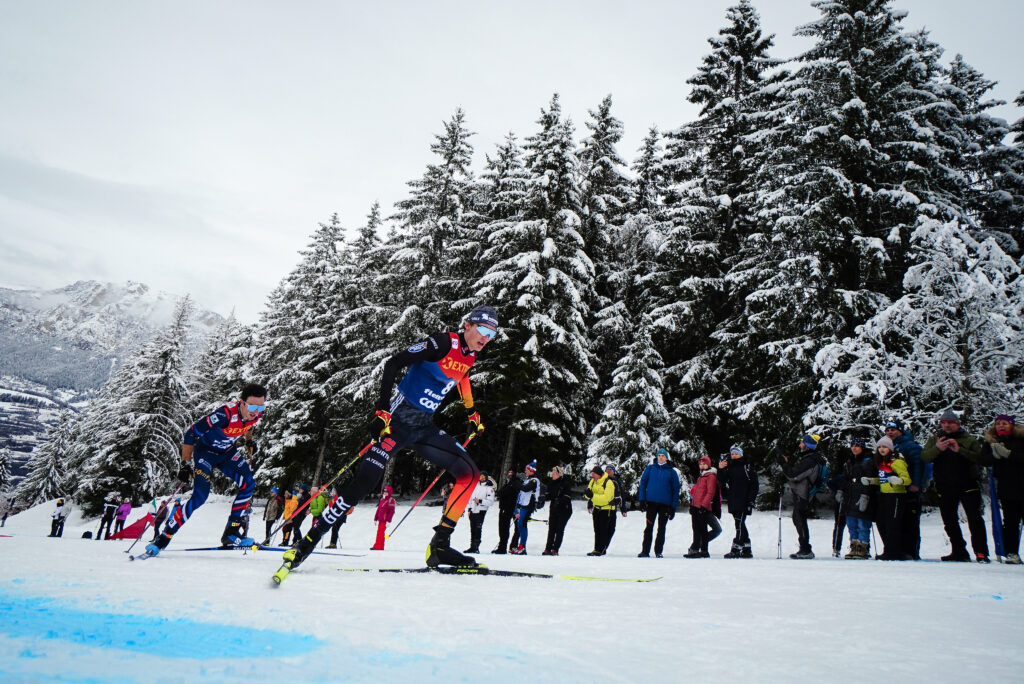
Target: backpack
(542, 494)
(821, 479)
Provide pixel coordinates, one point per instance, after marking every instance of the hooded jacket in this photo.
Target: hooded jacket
(1009, 472)
(385, 507)
(705, 491)
(484, 491)
(660, 485)
(920, 472)
(602, 493)
(853, 488)
(739, 483)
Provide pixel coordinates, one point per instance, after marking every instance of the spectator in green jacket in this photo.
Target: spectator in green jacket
(958, 481)
(318, 503)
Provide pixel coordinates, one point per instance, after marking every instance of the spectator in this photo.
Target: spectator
(658, 495)
(859, 500)
(481, 499)
(123, 511)
(1003, 449)
(272, 512)
(301, 510)
(59, 515)
(318, 503)
(291, 502)
(507, 497)
(385, 513)
(920, 476)
(738, 481)
(342, 519)
(526, 503)
(800, 476)
(8, 505)
(954, 454)
(601, 495)
(892, 477)
(703, 496)
(109, 510)
(560, 496)
(159, 517)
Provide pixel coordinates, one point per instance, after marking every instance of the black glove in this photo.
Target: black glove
(185, 473)
(642, 505)
(380, 425)
(672, 514)
(750, 510)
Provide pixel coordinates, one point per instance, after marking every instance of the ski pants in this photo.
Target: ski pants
(505, 520)
(803, 534)
(705, 528)
(950, 500)
(891, 510)
(336, 529)
(410, 429)
(1013, 516)
(655, 513)
(604, 528)
(522, 523)
(742, 538)
(234, 466)
(912, 525)
(105, 522)
(558, 518)
(476, 528)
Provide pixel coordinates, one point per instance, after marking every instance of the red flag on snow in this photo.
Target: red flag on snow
(134, 531)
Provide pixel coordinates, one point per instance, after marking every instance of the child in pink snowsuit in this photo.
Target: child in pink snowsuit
(385, 512)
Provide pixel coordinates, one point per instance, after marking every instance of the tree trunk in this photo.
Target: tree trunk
(506, 461)
(320, 459)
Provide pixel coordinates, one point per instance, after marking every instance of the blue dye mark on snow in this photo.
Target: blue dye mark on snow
(42, 618)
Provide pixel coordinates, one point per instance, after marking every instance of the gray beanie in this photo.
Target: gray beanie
(948, 414)
(885, 442)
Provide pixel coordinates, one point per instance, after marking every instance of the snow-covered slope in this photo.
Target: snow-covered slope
(78, 610)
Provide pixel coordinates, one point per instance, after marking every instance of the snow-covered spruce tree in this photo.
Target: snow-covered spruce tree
(132, 433)
(5, 470)
(710, 165)
(434, 259)
(299, 358)
(633, 418)
(222, 367)
(954, 339)
(540, 280)
(48, 474)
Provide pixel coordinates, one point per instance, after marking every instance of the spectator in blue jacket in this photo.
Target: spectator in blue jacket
(659, 498)
(920, 475)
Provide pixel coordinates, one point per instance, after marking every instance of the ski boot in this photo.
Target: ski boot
(232, 535)
(440, 551)
(294, 556)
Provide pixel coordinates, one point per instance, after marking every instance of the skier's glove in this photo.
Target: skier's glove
(1000, 451)
(185, 473)
(839, 498)
(862, 503)
(894, 480)
(380, 425)
(476, 424)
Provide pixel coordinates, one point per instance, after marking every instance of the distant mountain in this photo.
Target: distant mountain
(73, 336)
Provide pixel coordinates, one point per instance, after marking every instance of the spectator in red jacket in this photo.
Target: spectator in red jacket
(385, 512)
(703, 497)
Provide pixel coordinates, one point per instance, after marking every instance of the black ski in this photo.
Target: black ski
(484, 570)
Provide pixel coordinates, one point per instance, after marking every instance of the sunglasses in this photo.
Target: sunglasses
(256, 408)
(489, 333)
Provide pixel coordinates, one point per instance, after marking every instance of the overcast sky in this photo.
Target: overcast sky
(194, 146)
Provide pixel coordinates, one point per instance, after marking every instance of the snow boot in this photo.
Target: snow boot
(854, 550)
(957, 557)
(802, 554)
(472, 549)
(1013, 559)
(746, 551)
(643, 554)
(440, 551)
(499, 549)
(332, 546)
(983, 558)
(735, 552)
(520, 550)
(153, 549)
(694, 554)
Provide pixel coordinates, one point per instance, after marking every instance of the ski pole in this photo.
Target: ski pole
(780, 526)
(166, 501)
(429, 487)
(875, 541)
(315, 494)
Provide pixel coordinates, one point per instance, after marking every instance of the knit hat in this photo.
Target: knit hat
(485, 473)
(661, 451)
(532, 465)
(1009, 419)
(949, 414)
(897, 424)
(736, 449)
(611, 468)
(885, 442)
(811, 441)
(703, 460)
(483, 315)
(273, 490)
(859, 442)
(596, 470)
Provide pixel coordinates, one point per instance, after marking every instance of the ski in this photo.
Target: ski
(484, 570)
(253, 547)
(142, 556)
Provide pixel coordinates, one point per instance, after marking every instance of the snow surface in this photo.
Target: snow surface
(78, 610)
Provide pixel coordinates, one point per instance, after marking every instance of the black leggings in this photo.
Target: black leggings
(1013, 515)
(413, 429)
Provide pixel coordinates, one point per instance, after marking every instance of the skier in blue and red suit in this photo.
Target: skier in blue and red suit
(436, 366)
(211, 443)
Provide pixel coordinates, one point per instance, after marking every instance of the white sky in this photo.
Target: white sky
(194, 146)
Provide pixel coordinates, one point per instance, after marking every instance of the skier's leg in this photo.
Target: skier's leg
(441, 449)
(182, 512)
(237, 469)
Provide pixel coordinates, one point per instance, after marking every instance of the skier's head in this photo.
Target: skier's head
(273, 490)
(480, 327)
(556, 473)
(60, 502)
(251, 390)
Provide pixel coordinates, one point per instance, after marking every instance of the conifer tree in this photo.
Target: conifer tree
(222, 367)
(5, 470)
(48, 473)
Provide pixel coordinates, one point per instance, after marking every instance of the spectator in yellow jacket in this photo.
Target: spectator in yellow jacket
(291, 502)
(601, 494)
(893, 480)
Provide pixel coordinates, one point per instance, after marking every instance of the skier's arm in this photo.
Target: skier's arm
(433, 348)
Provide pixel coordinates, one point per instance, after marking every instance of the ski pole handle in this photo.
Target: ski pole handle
(429, 487)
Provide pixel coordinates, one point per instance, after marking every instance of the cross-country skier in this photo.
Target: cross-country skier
(210, 443)
(435, 367)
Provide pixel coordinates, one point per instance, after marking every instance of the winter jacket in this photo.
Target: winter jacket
(1009, 471)
(62, 511)
(109, 509)
(123, 511)
(273, 510)
(601, 493)
(301, 503)
(909, 449)
(509, 494)
(739, 483)
(560, 494)
(954, 470)
(161, 514)
(318, 504)
(290, 504)
(385, 507)
(660, 485)
(528, 492)
(852, 488)
(482, 497)
(801, 474)
(705, 491)
(886, 469)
